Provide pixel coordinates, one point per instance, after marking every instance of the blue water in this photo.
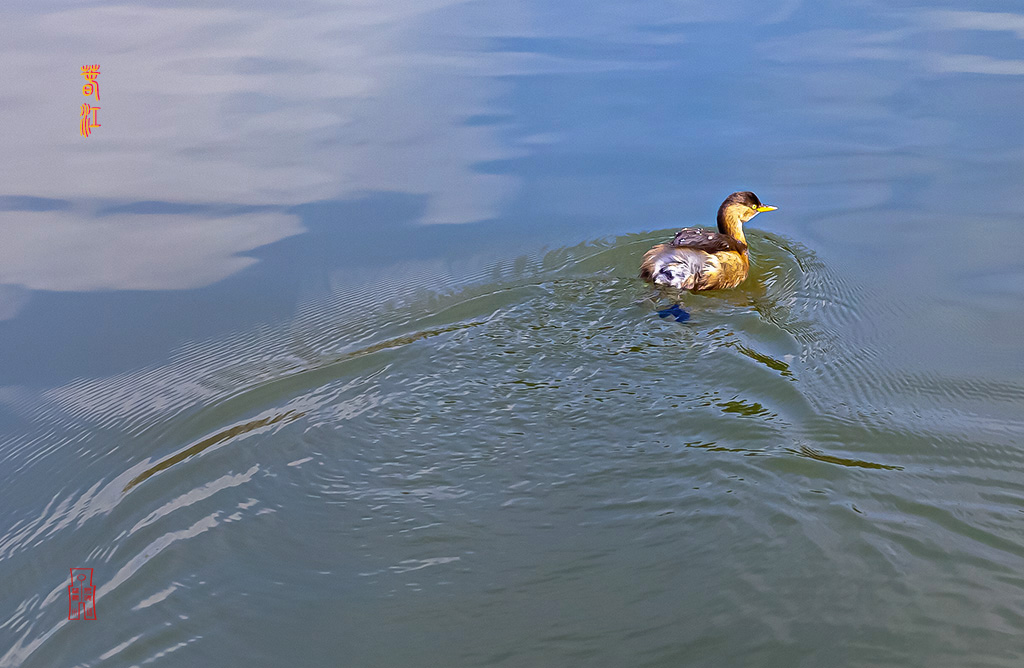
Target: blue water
(327, 347)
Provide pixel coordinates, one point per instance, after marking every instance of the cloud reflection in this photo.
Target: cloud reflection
(210, 107)
(261, 107)
(969, 20)
(55, 250)
(216, 106)
(973, 64)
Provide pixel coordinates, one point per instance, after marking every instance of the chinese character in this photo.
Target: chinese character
(81, 595)
(91, 87)
(89, 121)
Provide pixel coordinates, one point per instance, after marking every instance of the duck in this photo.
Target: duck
(701, 259)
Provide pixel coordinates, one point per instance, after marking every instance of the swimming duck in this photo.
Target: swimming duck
(700, 259)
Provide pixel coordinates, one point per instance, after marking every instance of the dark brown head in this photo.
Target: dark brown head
(737, 209)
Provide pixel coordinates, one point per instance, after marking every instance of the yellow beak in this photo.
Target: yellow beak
(765, 207)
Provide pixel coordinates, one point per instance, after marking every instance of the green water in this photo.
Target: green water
(354, 368)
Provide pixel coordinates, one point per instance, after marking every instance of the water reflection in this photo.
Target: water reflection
(66, 251)
(973, 20)
(487, 418)
(248, 108)
(261, 107)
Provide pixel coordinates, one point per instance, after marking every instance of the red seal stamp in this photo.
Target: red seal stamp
(81, 595)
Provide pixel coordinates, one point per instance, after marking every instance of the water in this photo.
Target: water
(327, 347)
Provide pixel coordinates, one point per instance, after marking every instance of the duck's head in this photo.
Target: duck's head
(737, 209)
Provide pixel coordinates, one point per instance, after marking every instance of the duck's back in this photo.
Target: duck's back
(697, 259)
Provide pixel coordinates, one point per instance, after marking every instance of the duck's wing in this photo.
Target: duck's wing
(706, 240)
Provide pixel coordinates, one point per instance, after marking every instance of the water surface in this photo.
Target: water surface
(327, 348)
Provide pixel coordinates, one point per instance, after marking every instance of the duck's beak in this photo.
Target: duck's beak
(765, 207)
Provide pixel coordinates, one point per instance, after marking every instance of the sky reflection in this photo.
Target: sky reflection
(229, 134)
(255, 107)
(56, 250)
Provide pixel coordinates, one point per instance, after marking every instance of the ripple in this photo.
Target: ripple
(539, 401)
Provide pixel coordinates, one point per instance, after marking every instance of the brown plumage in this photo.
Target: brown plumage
(699, 259)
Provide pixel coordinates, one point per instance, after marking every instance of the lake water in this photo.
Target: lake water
(326, 347)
